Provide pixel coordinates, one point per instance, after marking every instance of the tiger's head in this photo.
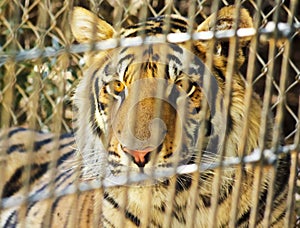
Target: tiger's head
(140, 106)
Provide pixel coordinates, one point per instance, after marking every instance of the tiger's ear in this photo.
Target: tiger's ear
(87, 27)
(225, 20)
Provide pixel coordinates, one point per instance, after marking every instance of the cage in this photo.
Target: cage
(54, 173)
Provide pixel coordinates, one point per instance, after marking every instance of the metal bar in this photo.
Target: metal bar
(137, 177)
(244, 131)
(50, 51)
(277, 130)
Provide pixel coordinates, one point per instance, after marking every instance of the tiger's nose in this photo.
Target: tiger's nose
(139, 157)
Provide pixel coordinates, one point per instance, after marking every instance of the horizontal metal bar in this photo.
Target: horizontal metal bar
(268, 157)
(285, 31)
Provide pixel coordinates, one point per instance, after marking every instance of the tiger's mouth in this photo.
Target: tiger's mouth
(157, 174)
(149, 160)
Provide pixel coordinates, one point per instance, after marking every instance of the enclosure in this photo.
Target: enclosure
(41, 65)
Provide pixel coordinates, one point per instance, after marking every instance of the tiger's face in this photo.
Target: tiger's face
(146, 106)
(141, 108)
(151, 108)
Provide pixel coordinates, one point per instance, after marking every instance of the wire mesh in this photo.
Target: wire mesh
(41, 65)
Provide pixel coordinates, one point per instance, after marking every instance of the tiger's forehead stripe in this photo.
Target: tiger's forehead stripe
(139, 58)
(157, 25)
(151, 53)
(128, 58)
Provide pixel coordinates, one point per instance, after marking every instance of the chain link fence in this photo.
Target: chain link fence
(40, 65)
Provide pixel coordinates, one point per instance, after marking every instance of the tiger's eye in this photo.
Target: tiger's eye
(184, 84)
(116, 86)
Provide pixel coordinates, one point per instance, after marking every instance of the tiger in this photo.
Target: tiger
(144, 109)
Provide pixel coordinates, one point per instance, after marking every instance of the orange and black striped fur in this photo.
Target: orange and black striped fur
(145, 109)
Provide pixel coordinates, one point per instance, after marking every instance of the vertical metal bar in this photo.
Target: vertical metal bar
(283, 81)
(230, 71)
(264, 123)
(9, 79)
(147, 205)
(56, 129)
(7, 96)
(277, 130)
(244, 131)
(290, 219)
(9, 68)
(290, 214)
(29, 148)
(192, 208)
(33, 115)
(63, 62)
(117, 24)
(196, 183)
(279, 118)
(32, 122)
(97, 207)
(3, 162)
(207, 84)
(170, 198)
